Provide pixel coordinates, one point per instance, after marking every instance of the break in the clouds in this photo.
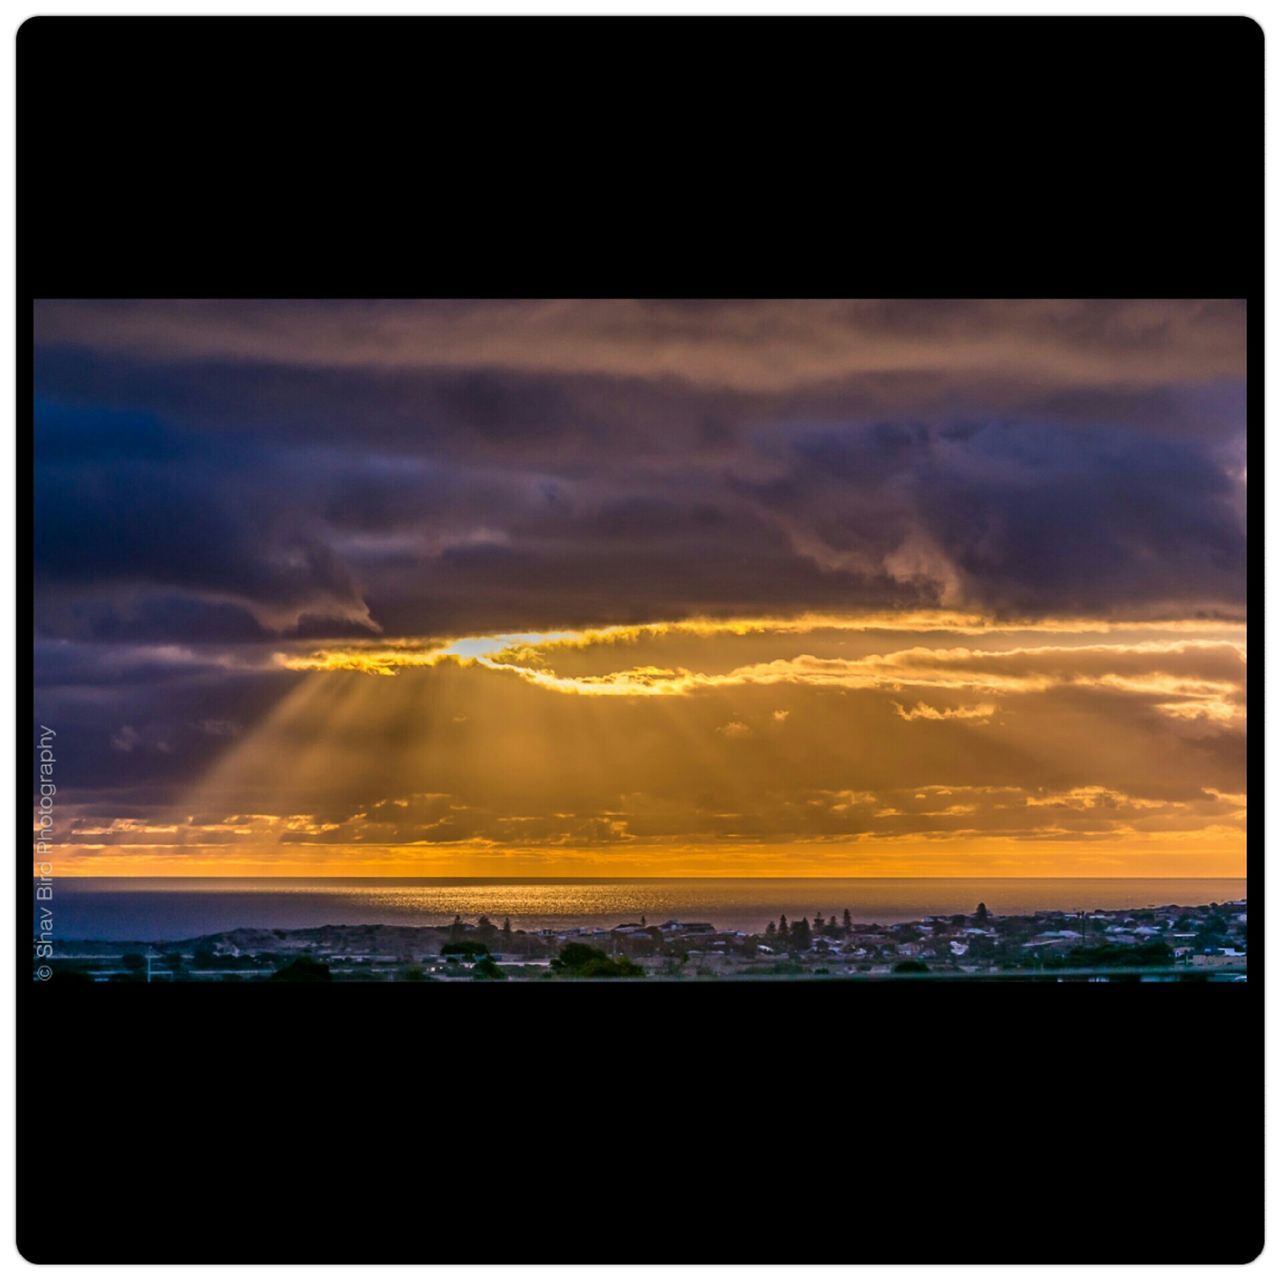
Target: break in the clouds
(796, 551)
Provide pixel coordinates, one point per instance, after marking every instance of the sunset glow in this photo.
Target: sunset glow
(777, 589)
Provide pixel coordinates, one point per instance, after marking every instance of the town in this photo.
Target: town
(1170, 943)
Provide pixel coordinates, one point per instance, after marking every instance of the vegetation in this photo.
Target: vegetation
(801, 937)
(71, 977)
(487, 969)
(577, 960)
(1108, 955)
(303, 969)
(606, 967)
(464, 950)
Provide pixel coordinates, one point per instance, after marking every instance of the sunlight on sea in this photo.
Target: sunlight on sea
(181, 908)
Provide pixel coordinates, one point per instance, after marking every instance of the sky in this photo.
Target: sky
(619, 588)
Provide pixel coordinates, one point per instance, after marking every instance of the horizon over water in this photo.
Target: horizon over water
(152, 909)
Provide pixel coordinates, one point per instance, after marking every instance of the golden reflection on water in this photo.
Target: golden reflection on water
(741, 903)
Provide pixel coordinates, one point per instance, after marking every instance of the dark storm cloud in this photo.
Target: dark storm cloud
(483, 416)
(125, 506)
(1091, 520)
(229, 476)
(159, 618)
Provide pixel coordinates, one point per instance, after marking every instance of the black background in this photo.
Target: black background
(620, 157)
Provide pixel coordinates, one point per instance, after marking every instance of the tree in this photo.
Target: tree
(643, 922)
(1109, 954)
(770, 930)
(610, 967)
(303, 969)
(783, 927)
(982, 914)
(800, 936)
(573, 955)
(466, 950)
(848, 921)
(487, 969)
(577, 960)
(506, 929)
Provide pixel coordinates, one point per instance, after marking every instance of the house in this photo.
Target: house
(1049, 942)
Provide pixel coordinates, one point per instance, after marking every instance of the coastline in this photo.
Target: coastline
(1208, 941)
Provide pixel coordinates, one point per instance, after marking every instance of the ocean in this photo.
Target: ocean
(158, 910)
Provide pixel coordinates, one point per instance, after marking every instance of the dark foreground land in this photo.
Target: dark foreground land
(1170, 943)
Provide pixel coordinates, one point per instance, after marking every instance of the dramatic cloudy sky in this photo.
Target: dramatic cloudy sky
(513, 588)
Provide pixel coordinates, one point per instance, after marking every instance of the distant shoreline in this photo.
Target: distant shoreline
(142, 909)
